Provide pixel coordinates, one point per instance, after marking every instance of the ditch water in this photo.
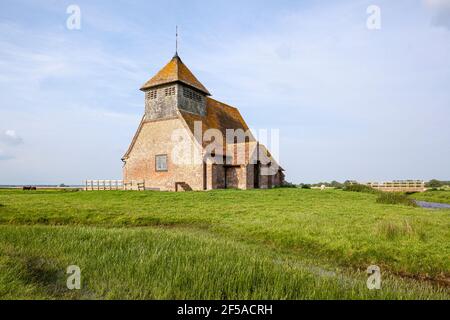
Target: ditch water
(432, 205)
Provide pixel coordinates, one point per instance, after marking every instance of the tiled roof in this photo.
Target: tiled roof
(218, 116)
(175, 71)
(222, 117)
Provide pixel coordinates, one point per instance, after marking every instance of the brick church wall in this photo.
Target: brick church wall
(155, 138)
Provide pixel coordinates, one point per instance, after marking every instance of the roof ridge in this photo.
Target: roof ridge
(177, 65)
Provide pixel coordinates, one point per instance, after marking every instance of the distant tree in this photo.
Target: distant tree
(434, 183)
(336, 184)
(287, 184)
(349, 182)
(62, 185)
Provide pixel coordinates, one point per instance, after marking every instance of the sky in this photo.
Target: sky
(350, 101)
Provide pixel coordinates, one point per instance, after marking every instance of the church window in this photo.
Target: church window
(190, 94)
(187, 93)
(169, 91)
(152, 94)
(161, 162)
(196, 97)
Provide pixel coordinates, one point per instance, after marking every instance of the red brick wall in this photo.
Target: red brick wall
(155, 138)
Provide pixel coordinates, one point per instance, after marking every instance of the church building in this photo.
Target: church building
(188, 141)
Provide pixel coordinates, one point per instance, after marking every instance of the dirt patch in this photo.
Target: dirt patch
(441, 281)
(46, 274)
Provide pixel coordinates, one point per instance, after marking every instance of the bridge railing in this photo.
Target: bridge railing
(400, 186)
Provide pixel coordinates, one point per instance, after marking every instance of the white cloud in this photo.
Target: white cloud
(41, 69)
(10, 137)
(9, 140)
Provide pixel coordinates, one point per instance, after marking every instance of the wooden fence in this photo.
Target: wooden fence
(103, 185)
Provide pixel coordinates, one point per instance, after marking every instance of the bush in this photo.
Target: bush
(434, 183)
(305, 186)
(336, 185)
(395, 198)
(69, 190)
(287, 185)
(359, 188)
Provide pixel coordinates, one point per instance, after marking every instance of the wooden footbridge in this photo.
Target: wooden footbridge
(399, 186)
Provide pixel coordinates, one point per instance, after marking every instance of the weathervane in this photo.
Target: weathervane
(176, 41)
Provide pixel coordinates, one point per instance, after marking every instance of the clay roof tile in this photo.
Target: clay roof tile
(218, 116)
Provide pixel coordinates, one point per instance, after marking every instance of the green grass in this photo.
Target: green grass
(143, 263)
(280, 244)
(433, 196)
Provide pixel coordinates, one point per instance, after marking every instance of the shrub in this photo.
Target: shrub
(287, 185)
(69, 190)
(395, 198)
(336, 185)
(434, 183)
(305, 186)
(359, 188)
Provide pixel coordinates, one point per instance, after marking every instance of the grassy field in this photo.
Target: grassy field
(433, 196)
(228, 244)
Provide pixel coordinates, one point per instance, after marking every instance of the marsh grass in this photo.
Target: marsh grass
(394, 230)
(171, 264)
(360, 188)
(329, 230)
(395, 198)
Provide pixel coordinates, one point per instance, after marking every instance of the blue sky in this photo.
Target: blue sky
(350, 103)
